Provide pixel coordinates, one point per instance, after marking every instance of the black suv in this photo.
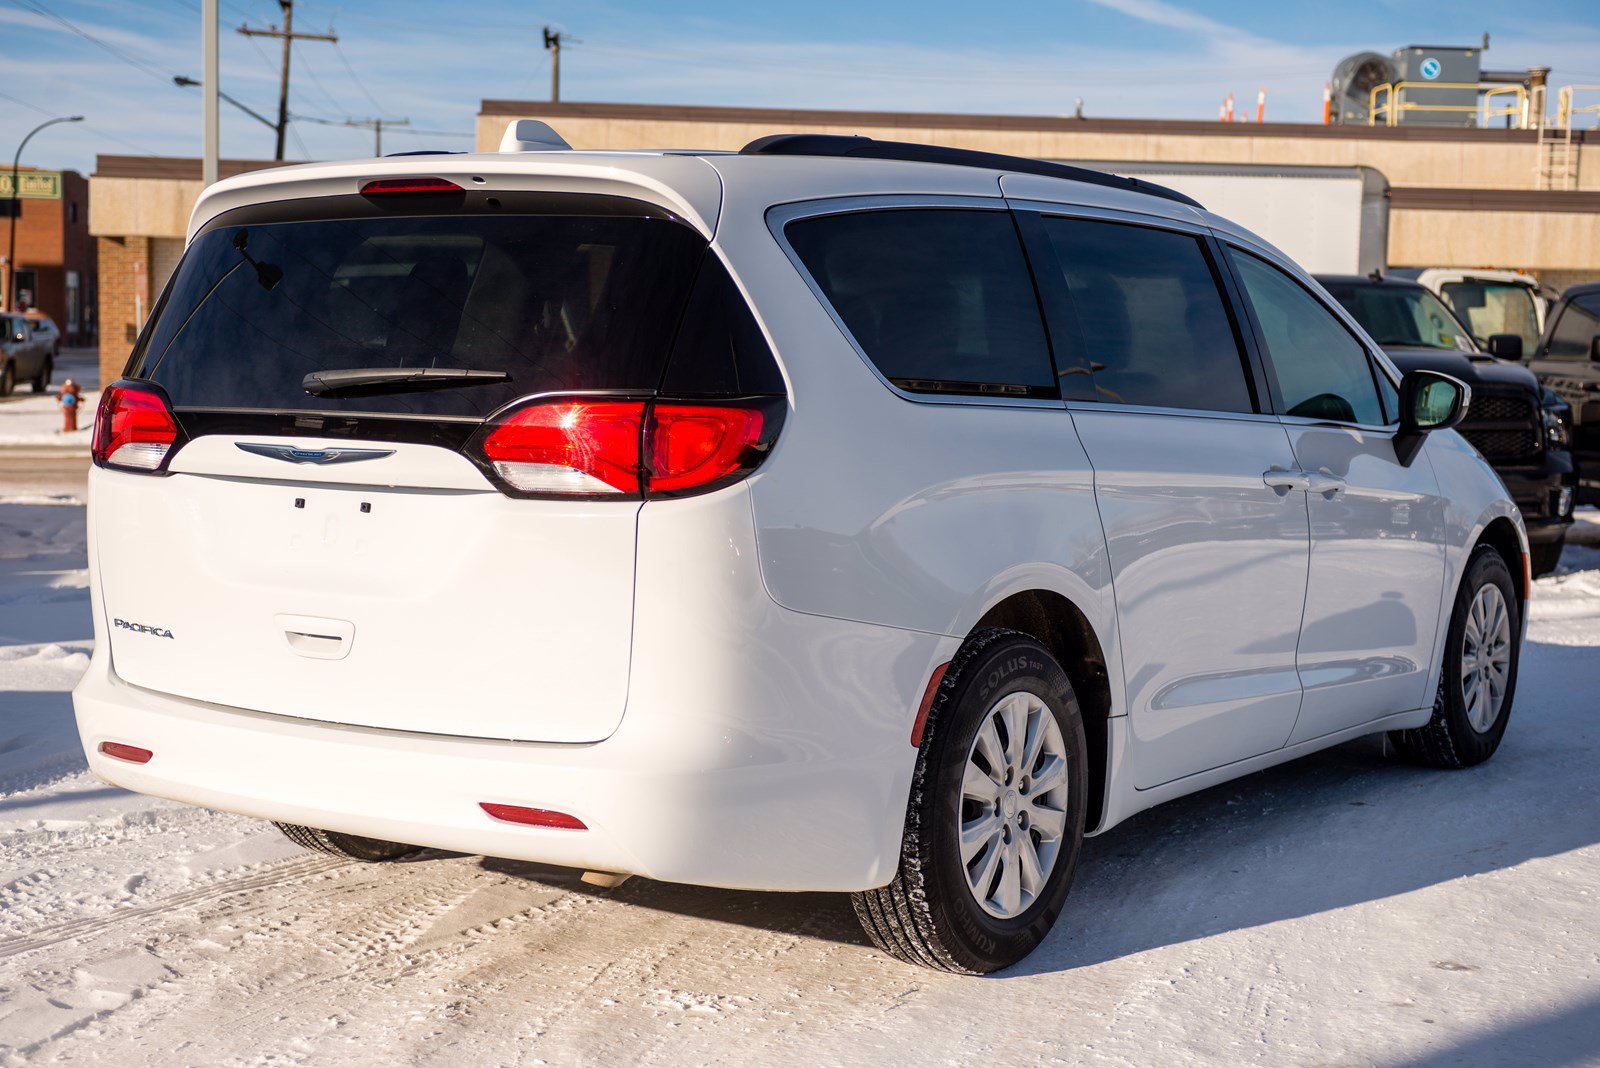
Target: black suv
(1567, 361)
(1521, 428)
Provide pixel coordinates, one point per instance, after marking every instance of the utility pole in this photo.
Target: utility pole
(289, 38)
(376, 126)
(211, 67)
(552, 44)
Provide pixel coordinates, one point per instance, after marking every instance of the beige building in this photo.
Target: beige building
(1458, 197)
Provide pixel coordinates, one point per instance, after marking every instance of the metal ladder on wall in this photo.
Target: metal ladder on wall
(1558, 157)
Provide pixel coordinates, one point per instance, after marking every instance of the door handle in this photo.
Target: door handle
(1283, 481)
(1329, 485)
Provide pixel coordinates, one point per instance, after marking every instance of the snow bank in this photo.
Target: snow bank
(1340, 909)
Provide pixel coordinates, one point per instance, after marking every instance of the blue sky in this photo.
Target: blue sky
(432, 62)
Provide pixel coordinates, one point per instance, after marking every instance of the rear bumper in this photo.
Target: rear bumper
(761, 748)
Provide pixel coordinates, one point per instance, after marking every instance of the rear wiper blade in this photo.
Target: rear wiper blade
(374, 381)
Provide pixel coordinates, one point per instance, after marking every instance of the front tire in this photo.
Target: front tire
(348, 846)
(996, 818)
(1479, 677)
(8, 379)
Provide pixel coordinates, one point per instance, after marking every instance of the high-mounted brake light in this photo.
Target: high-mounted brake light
(533, 817)
(605, 446)
(133, 429)
(392, 186)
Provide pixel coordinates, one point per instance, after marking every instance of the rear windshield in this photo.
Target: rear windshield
(576, 298)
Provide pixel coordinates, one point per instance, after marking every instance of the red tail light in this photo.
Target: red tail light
(604, 447)
(694, 445)
(533, 817)
(393, 186)
(572, 446)
(133, 429)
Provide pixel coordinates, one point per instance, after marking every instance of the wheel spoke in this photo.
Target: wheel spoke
(1049, 822)
(1010, 889)
(987, 744)
(976, 834)
(1015, 711)
(1052, 776)
(984, 878)
(980, 786)
(1032, 872)
(1038, 727)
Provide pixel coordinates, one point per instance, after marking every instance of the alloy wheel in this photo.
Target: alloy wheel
(1485, 657)
(1013, 804)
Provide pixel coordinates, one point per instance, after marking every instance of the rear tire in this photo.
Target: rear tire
(1542, 559)
(1464, 732)
(348, 846)
(41, 381)
(1027, 807)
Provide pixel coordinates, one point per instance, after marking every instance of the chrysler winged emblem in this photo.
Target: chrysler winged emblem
(313, 456)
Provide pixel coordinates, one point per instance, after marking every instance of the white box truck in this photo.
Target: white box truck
(1331, 220)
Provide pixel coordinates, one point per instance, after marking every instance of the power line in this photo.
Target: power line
(141, 149)
(35, 8)
(338, 51)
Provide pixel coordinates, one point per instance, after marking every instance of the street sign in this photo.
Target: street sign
(36, 185)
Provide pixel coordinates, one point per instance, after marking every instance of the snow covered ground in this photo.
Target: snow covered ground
(1344, 909)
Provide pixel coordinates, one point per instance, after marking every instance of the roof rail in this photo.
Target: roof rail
(868, 148)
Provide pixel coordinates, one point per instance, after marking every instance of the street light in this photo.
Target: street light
(16, 209)
(179, 79)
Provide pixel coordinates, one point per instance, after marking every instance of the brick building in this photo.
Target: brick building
(139, 217)
(55, 268)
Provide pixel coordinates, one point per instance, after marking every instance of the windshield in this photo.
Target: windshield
(1403, 316)
(575, 300)
(1495, 308)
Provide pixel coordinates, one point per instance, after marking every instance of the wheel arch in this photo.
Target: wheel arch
(1058, 624)
(1501, 534)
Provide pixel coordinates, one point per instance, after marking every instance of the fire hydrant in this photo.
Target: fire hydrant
(70, 395)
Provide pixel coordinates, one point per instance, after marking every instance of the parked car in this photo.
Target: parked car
(1487, 301)
(1567, 361)
(24, 357)
(1520, 428)
(44, 328)
(836, 515)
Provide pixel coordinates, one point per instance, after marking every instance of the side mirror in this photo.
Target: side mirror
(1429, 401)
(1505, 346)
(19, 336)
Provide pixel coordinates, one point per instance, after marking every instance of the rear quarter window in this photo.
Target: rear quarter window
(940, 300)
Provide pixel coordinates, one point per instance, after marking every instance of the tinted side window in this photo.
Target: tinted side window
(1575, 330)
(1153, 325)
(1322, 370)
(940, 300)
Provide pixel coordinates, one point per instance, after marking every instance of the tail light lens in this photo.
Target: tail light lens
(602, 447)
(569, 447)
(134, 429)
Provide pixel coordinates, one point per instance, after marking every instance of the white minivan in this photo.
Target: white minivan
(832, 515)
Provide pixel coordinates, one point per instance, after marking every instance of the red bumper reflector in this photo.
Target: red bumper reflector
(533, 817)
(927, 702)
(131, 753)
